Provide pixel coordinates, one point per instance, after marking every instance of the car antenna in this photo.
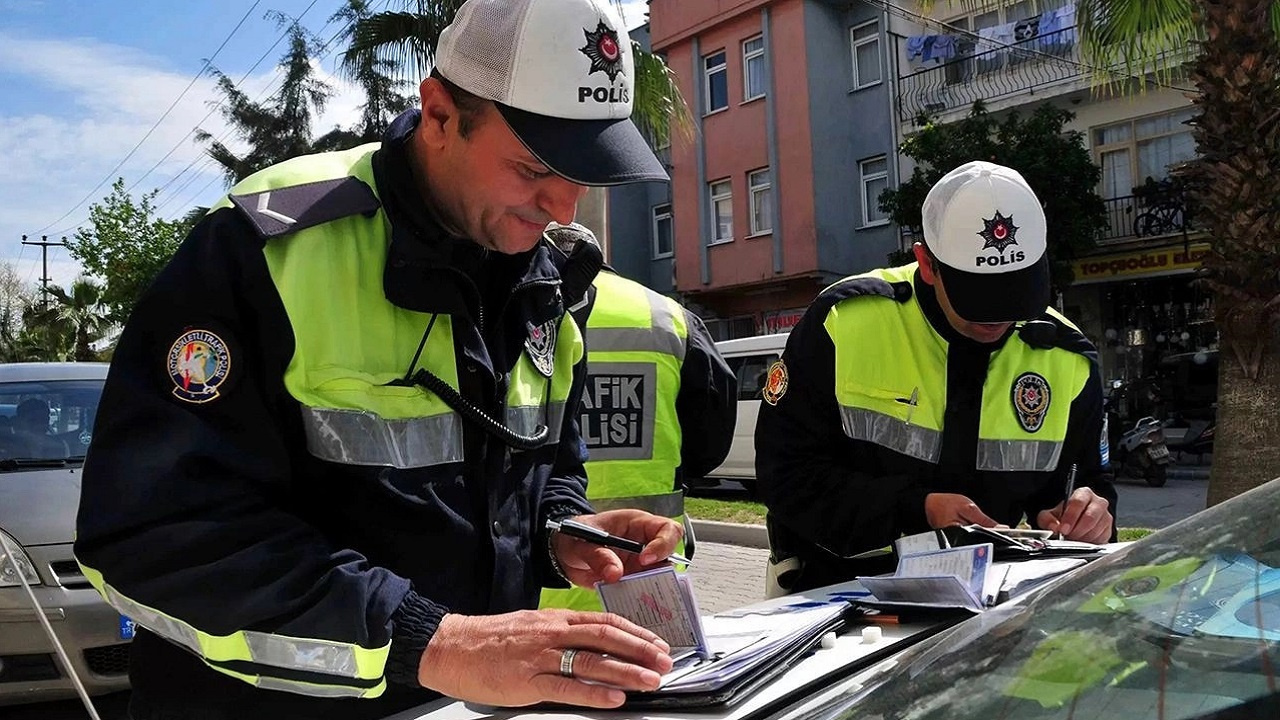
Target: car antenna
(10, 553)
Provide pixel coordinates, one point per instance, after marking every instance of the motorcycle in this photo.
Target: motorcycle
(1191, 436)
(1139, 451)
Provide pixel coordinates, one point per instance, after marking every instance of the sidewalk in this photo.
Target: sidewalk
(728, 565)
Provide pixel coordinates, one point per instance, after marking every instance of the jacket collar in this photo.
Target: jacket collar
(427, 269)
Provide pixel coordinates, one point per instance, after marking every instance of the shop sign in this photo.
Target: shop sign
(781, 320)
(1148, 263)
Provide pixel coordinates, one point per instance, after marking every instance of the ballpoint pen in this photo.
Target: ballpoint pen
(1071, 487)
(592, 534)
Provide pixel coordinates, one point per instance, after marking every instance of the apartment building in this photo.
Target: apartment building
(774, 195)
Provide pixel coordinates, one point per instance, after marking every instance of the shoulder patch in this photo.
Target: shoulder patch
(287, 210)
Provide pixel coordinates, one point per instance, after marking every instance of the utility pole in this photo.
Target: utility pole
(44, 256)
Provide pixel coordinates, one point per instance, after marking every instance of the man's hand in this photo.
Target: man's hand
(947, 509)
(586, 563)
(514, 659)
(1086, 517)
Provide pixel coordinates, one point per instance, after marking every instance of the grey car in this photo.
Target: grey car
(46, 421)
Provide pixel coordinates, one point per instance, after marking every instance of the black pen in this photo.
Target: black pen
(593, 534)
(1071, 487)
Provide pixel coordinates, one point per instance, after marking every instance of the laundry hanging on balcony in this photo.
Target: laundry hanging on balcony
(993, 42)
(925, 51)
(1026, 29)
(1058, 27)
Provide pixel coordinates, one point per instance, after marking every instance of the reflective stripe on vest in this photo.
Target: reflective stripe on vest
(891, 385)
(340, 660)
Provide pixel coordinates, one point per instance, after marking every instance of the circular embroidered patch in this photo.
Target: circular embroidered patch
(775, 383)
(198, 363)
(1031, 400)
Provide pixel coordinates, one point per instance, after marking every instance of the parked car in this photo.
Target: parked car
(1181, 625)
(749, 358)
(46, 422)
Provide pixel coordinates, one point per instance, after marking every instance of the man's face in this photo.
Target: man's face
(493, 190)
(979, 332)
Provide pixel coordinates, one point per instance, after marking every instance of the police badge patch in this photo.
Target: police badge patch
(198, 363)
(775, 383)
(1031, 400)
(541, 347)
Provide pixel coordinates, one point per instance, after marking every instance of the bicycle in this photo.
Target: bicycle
(1165, 213)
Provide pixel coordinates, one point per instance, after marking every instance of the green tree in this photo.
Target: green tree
(15, 296)
(46, 336)
(1235, 68)
(125, 244)
(82, 312)
(384, 99)
(406, 39)
(279, 128)
(1054, 161)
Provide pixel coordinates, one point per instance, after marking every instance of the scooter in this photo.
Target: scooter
(1139, 451)
(1196, 436)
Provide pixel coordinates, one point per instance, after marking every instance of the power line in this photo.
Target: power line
(155, 125)
(246, 74)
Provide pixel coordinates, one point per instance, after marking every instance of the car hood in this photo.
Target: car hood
(38, 507)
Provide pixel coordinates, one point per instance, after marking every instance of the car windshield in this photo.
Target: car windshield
(1183, 624)
(47, 420)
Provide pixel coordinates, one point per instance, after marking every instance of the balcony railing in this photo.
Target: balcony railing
(1133, 217)
(989, 75)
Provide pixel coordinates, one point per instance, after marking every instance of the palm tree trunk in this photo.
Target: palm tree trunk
(1238, 135)
(1246, 452)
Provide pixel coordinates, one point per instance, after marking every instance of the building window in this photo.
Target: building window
(1141, 148)
(721, 211)
(717, 79)
(875, 180)
(753, 69)
(865, 40)
(663, 237)
(761, 196)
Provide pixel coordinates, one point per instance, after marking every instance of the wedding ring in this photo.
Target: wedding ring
(566, 662)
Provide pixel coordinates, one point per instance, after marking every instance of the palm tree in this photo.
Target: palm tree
(280, 128)
(1236, 72)
(82, 313)
(406, 39)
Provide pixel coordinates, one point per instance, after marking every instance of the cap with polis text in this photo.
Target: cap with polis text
(987, 229)
(561, 73)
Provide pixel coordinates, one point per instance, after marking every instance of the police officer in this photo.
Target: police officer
(337, 424)
(940, 393)
(654, 377)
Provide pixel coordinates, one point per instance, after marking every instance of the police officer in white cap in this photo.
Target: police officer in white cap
(945, 392)
(337, 426)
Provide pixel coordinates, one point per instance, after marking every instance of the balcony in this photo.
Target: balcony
(1049, 59)
(1160, 211)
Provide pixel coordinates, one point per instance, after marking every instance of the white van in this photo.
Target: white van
(749, 358)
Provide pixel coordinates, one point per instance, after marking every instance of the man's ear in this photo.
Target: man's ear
(926, 263)
(438, 110)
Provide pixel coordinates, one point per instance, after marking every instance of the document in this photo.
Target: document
(955, 577)
(660, 600)
(714, 656)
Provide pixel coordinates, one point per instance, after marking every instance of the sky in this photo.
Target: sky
(94, 90)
